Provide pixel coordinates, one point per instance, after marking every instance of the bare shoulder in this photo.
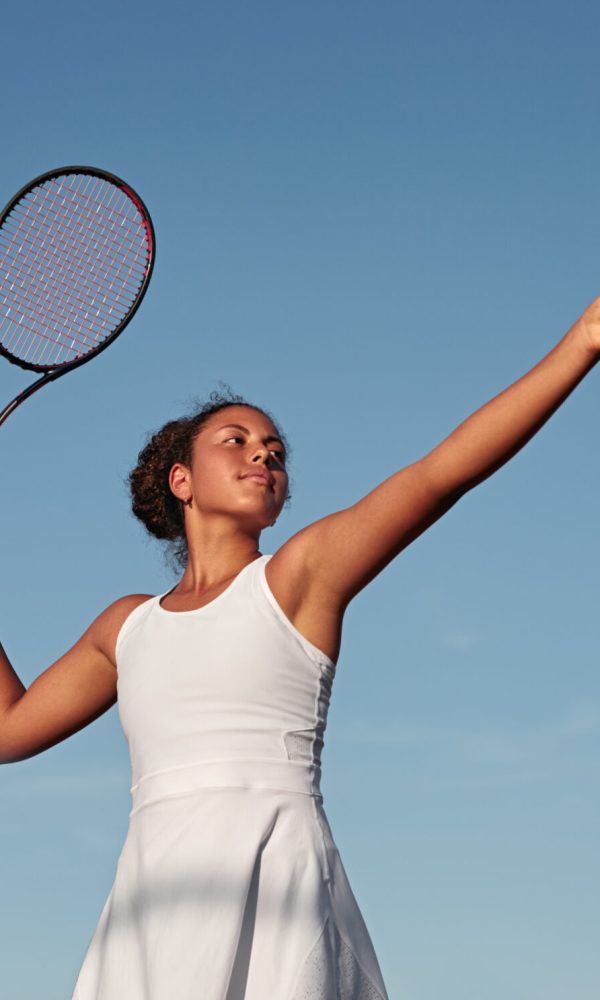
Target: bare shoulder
(288, 572)
(72, 692)
(105, 628)
(312, 608)
(334, 558)
(296, 570)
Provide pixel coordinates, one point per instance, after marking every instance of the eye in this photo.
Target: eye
(279, 455)
(235, 437)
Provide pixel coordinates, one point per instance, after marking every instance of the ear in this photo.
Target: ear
(180, 481)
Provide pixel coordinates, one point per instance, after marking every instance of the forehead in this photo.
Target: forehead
(244, 416)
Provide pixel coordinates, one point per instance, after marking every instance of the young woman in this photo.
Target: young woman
(229, 885)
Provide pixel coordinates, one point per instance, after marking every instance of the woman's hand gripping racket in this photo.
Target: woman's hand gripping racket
(76, 255)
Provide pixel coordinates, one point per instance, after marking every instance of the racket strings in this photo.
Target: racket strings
(74, 253)
(85, 260)
(45, 285)
(26, 323)
(63, 238)
(62, 245)
(43, 269)
(129, 281)
(36, 310)
(66, 241)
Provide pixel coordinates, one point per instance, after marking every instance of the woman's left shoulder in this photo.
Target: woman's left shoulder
(297, 589)
(290, 573)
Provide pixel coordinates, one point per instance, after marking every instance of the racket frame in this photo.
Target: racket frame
(51, 372)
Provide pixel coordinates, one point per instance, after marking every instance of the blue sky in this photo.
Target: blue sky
(370, 218)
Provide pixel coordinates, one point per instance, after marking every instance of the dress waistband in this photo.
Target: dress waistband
(244, 772)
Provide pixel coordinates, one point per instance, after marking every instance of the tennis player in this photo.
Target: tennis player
(229, 884)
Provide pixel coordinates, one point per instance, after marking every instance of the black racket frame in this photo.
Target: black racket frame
(52, 372)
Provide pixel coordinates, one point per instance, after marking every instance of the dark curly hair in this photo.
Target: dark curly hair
(152, 500)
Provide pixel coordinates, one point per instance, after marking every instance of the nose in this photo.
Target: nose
(261, 454)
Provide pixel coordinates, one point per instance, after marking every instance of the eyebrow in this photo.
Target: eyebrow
(267, 439)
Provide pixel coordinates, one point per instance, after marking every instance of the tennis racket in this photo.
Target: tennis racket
(77, 250)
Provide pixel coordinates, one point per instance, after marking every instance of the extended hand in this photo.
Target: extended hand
(587, 327)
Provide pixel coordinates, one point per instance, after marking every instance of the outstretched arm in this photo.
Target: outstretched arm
(68, 695)
(343, 552)
(498, 430)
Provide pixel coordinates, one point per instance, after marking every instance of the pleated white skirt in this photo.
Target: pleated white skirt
(230, 887)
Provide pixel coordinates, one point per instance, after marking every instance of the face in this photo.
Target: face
(238, 467)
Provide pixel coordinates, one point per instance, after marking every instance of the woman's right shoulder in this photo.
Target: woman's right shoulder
(105, 629)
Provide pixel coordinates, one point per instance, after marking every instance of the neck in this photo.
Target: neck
(215, 556)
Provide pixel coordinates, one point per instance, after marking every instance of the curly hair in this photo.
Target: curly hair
(152, 500)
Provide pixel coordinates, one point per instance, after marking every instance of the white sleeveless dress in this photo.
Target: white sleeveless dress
(229, 885)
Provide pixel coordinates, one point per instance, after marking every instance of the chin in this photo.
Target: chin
(258, 520)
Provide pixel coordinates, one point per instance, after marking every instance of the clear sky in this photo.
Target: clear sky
(371, 218)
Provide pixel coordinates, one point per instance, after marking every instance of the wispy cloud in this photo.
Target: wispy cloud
(99, 839)
(19, 784)
(471, 752)
(461, 640)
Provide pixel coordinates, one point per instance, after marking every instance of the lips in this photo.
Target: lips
(260, 477)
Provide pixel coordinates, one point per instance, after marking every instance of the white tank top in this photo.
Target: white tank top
(229, 882)
(232, 685)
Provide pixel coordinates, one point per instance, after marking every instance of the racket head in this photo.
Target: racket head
(77, 249)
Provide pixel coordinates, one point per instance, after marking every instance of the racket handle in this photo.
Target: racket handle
(48, 377)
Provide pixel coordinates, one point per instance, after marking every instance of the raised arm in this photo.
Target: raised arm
(341, 553)
(70, 694)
